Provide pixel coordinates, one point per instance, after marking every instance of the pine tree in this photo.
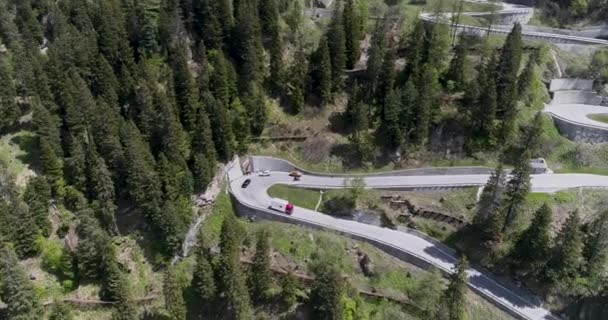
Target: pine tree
(407, 116)
(260, 276)
(207, 23)
(47, 127)
(415, 50)
(24, 235)
(533, 247)
(174, 298)
(375, 61)
(438, 47)
(116, 288)
(386, 80)
(186, 95)
(16, 290)
(337, 49)
(352, 31)
(322, 71)
(429, 293)
(202, 171)
(456, 71)
(327, 293)
(289, 292)
(223, 136)
(516, 192)
(455, 294)
(255, 104)
(94, 246)
(567, 253)
(240, 125)
(218, 79)
(203, 282)
(102, 189)
(297, 82)
(60, 311)
(390, 121)
(506, 85)
(596, 253)
(427, 104)
(202, 137)
(38, 196)
(249, 49)
(231, 279)
(52, 167)
(491, 197)
(532, 138)
(9, 111)
(486, 106)
(524, 81)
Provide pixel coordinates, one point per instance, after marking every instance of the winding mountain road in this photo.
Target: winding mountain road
(409, 246)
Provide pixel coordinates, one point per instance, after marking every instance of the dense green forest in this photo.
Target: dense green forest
(134, 103)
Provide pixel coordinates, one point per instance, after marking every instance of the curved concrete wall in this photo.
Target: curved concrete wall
(576, 97)
(580, 132)
(571, 84)
(275, 164)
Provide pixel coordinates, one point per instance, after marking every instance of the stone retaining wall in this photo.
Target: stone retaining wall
(578, 132)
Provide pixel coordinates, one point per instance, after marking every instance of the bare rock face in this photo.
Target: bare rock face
(325, 4)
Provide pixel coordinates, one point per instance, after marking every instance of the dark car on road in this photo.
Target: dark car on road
(246, 183)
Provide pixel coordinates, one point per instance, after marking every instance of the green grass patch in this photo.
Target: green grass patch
(18, 150)
(213, 225)
(300, 197)
(601, 117)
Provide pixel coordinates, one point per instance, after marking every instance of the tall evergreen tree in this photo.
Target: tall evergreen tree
(9, 111)
(231, 279)
(506, 84)
(260, 277)
(223, 136)
(321, 71)
(328, 292)
(117, 290)
(532, 249)
(516, 192)
(24, 234)
(289, 292)
(491, 196)
(427, 106)
(203, 281)
(337, 48)
(16, 290)
(386, 80)
(391, 129)
(375, 60)
(438, 47)
(486, 105)
(249, 49)
(255, 104)
(102, 189)
(596, 253)
(456, 71)
(297, 80)
(415, 50)
(567, 253)
(240, 125)
(60, 311)
(352, 32)
(38, 196)
(208, 23)
(455, 294)
(174, 298)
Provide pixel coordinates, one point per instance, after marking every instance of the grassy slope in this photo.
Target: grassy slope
(17, 150)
